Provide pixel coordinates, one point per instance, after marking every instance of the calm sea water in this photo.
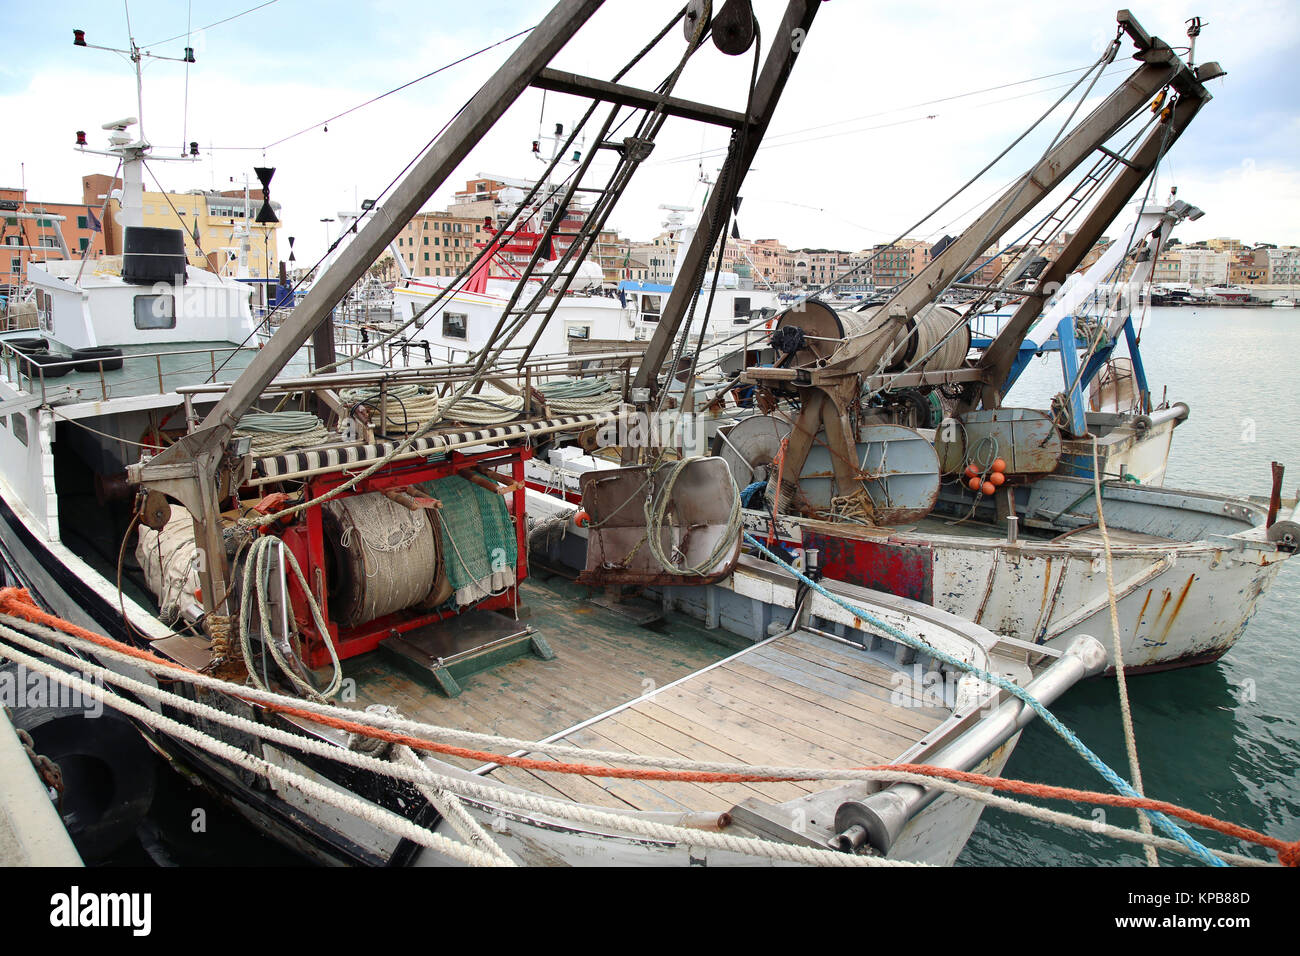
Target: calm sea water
(1223, 738)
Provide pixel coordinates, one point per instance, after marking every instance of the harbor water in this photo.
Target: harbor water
(1223, 738)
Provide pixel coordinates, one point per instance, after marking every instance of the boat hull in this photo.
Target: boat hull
(66, 587)
(1179, 603)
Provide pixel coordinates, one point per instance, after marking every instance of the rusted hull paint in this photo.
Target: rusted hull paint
(1191, 612)
(880, 565)
(1207, 658)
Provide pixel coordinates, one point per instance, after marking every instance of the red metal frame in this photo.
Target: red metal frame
(306, 540)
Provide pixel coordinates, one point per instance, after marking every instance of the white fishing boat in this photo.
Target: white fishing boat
(976, 512)
(577, 315)
(306, 578)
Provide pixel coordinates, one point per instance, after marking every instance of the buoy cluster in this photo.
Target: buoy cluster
(986, 480)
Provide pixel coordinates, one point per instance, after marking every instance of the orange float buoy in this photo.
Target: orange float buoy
(972, 470)
(997, 477)
(974, 483)
(999, 465)
(988, 488)
(581, 519)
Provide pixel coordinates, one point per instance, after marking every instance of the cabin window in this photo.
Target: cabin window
(155, 311)
(650, 308)
(20, 427)
(4, 421)
(580, 331)
(454, 325)
(740, 307)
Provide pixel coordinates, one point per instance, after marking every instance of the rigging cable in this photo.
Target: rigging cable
(1101, 62)
(217, 24)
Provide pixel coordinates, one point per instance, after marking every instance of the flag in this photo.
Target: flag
(94, 223)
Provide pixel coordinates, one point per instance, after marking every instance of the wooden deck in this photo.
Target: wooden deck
(601, 660)
(800, 700)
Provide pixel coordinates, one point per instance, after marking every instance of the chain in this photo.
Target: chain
(50, 773)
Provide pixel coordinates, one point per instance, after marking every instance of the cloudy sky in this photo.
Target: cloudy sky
(891, 107)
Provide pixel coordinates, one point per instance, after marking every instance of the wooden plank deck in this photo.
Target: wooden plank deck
(601, 661)
(802, 700)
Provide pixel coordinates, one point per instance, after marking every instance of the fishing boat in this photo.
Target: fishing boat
(578, 314)
(306, 577)
(981, 511)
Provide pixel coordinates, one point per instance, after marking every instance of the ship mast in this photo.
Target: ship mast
(197, 468)
(123, 146)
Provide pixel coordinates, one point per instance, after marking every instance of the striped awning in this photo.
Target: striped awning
(339, 457)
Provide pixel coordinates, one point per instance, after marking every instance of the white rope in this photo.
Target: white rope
(374, 815)
(272, 433)
(453, 811)
(562, 810)
(405, 408)
(1126, 712)
(575, 396)
(255, 576)
(486, 795)
(492, 408)
(577, 406)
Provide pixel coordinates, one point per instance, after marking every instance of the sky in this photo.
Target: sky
(882, 119)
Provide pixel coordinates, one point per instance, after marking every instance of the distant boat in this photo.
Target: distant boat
(1283, 303)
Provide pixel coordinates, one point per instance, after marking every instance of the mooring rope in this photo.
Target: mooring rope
(939, 778)
(1121, 682)
(273, 433)
(1111, 777)
(370, 724)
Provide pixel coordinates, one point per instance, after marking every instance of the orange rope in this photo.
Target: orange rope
(17, 602)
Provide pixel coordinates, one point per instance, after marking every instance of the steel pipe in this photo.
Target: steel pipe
(880, 818)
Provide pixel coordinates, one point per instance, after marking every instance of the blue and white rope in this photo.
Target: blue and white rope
(1114, 779)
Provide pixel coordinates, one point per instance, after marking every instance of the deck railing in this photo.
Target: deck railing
(31, 376)
(37, 378)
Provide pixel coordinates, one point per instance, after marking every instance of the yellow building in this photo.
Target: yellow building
(213, 222)
(440, 243)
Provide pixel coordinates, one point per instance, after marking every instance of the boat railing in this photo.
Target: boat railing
(522, 377)
(31, 376)
(351, 347)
